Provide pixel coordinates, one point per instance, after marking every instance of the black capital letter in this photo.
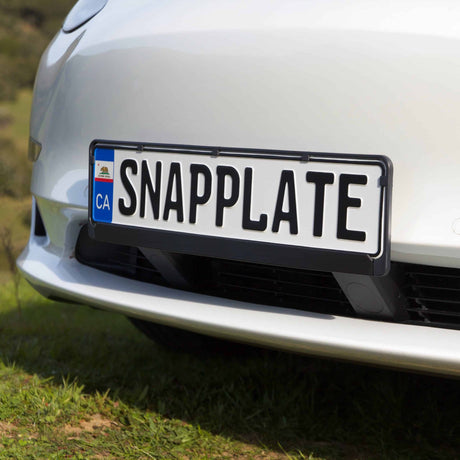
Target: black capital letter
(221, 201)
(146, 182)
(320, 179)
(249, 224)
(196, 199)
(178, 205)
(286, 181)
(128, 210)
(346, 202)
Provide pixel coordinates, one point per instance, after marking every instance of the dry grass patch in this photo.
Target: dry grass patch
(93, 424)
(7, 430)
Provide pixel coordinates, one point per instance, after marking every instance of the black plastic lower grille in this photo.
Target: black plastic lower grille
(290, 288)
(126, 261)
(433, 294)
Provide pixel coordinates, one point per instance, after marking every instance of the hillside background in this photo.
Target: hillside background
(26, 28)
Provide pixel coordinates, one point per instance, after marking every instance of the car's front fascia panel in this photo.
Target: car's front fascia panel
(316, 76)
(397, 345)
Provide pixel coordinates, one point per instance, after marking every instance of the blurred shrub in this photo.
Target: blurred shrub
(26, 217)
(26, 27)
(46, 15)
(14, 177)
(5, 118)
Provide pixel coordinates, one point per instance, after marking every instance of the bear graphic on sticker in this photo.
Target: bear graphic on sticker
(104, 171)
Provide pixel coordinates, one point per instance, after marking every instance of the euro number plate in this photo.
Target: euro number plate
(303, 210)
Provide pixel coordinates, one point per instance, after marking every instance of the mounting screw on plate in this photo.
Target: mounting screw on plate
(304, 157)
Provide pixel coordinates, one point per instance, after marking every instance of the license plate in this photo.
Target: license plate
(297, 209)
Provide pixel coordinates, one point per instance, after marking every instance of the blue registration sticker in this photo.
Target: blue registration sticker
(103, 185)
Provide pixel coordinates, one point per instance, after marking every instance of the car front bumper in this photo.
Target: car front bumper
(58, 273)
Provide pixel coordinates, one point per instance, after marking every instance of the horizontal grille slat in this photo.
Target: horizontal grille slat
(439, 288)
(423, 299)
(435, 312)
(434, 275)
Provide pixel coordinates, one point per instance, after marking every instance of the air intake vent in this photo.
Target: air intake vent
(118, 259)
(39, 227)
(433, 294)
(290, 288)
(262, 284)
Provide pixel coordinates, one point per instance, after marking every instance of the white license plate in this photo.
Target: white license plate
(287, 199)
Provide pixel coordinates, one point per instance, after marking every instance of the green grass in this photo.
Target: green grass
(81, 383)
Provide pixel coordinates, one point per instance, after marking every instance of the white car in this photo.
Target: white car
(275, 172)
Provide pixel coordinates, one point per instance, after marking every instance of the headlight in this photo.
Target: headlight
(81, 13)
